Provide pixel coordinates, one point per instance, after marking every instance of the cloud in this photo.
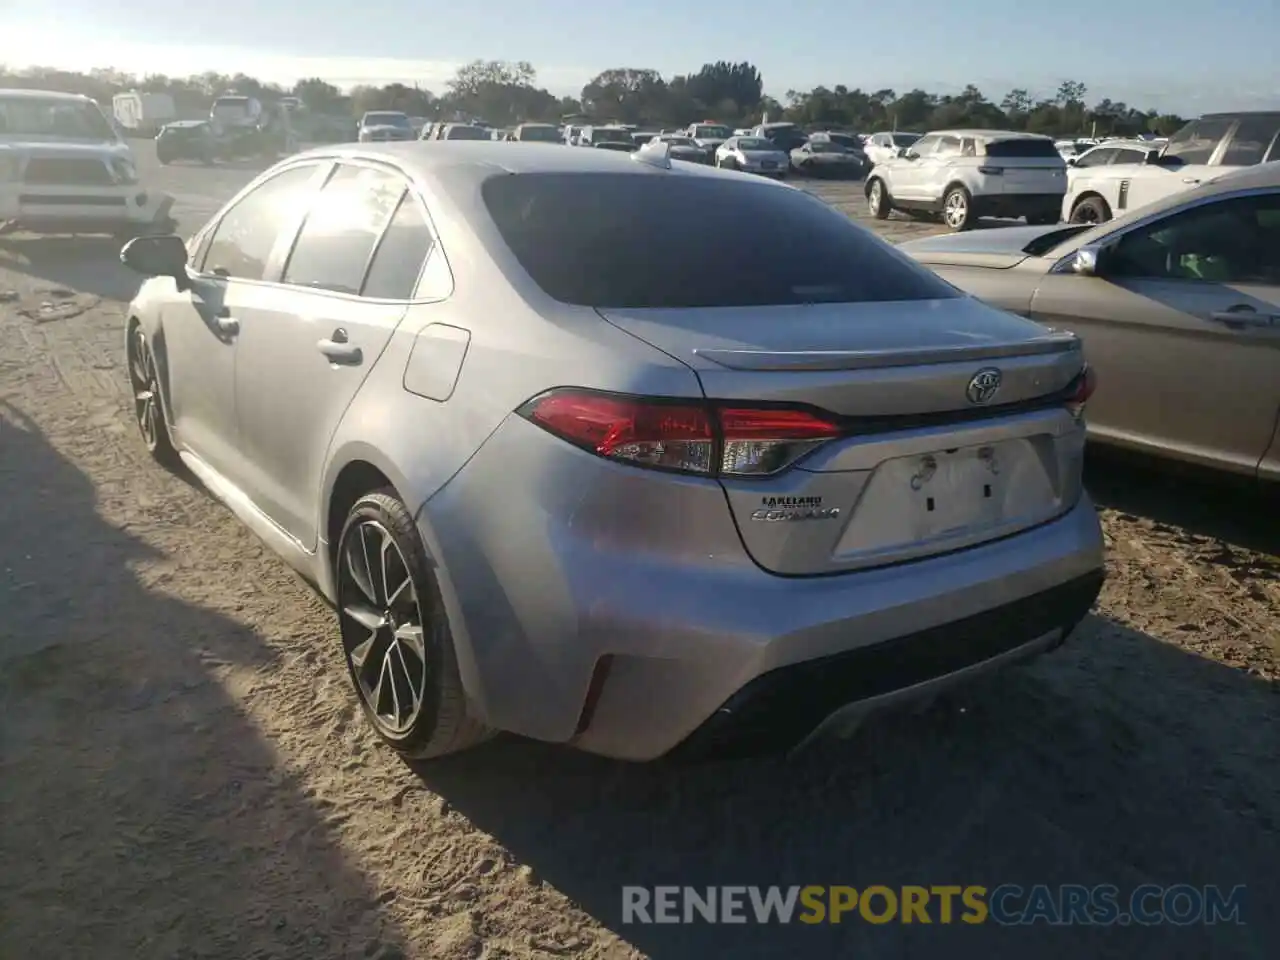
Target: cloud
(181, 61)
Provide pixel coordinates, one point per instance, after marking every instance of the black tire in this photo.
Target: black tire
(1091, 210)
(879, 203)
(440, 724)
(957, 209)
(148, 400)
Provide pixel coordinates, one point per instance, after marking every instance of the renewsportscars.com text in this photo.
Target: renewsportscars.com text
(1007, 904)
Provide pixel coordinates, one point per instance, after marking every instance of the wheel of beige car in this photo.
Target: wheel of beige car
(878, 200)
(148, 410)
(957, 208)
(1091, 210)
(395, 633)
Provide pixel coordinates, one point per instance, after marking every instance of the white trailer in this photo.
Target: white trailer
(143, 114)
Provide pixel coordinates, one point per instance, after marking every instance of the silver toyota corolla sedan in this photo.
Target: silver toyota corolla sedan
(566, 472)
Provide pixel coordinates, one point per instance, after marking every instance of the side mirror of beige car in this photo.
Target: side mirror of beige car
(1086, 260)
(157, 256)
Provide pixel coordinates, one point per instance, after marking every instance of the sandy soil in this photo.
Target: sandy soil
(185, 773)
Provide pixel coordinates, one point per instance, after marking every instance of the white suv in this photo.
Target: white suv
(1203, 149)
(967, 174)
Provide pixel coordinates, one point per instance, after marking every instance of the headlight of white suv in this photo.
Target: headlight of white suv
(123, 170)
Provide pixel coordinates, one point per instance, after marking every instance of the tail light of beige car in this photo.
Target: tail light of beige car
(1080, 390)
(706, 438)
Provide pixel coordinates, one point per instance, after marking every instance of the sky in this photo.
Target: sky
(1173, 55)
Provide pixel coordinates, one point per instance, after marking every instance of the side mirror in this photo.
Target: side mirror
(1071, 162)
(1152, 157)
(1088, 260)
(160, 256)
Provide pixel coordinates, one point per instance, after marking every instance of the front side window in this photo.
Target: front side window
(605, 240)
(1130, 155)
(343, 225)
(1095, 158)
(1226, 241)
(949, 147)
(922, 147)
(1197, 141)
(247, 233)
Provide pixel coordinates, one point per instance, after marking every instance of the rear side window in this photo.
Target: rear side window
(393, 273)
(1250, 141)
(606, 240)
(345, 221)
(1022, 149)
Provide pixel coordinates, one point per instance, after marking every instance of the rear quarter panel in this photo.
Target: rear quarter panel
(1009, 288)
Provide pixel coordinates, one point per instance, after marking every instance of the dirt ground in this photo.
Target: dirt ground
(184, 772)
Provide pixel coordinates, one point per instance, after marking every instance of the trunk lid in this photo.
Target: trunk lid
(920, 467)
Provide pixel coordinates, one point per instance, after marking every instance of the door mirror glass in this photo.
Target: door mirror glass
(1088, 260)
(162, 256)
(1072, 161)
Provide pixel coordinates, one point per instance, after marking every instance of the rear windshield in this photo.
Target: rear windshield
(610, 135)
(606, 240)
(1019, 148)
(543, 134)
(464, 132)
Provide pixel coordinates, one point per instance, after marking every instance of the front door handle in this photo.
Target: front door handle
(1245, 316)
(1191, 180)
(339, 350)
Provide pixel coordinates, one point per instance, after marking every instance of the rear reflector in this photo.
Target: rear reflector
(1081, 390)
(703, 438)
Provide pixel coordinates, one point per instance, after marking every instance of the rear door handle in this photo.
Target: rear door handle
(339, 350)
(1242, 316)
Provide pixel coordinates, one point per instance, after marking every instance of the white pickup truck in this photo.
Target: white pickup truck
(63, 169)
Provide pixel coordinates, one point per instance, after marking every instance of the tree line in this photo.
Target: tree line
(504, 93)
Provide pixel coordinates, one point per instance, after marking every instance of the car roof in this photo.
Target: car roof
(478, 160)
(990, 134)
(23, 93)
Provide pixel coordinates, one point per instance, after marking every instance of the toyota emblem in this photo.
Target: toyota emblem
(983, 386)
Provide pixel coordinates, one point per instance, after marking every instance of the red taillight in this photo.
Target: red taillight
(689, 436)
(1081, 390)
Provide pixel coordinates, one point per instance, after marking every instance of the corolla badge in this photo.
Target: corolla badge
(983, 386)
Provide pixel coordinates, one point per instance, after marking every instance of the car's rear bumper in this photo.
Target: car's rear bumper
(1017, 204)
(81, 209)
(616, 609)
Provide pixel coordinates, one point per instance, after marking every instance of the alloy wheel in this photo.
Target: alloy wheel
(146, 388)
(957, 210)
(877, 197)
(382, 626)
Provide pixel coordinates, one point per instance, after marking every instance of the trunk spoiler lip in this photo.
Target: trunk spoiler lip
(816, 360)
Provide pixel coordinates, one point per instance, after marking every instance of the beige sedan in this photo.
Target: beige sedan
(1178, 304)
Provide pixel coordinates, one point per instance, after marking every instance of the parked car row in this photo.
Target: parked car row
(961, 176)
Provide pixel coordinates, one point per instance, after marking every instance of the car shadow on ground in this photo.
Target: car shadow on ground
(87, 264)
(1114, 760)
(1233, 511)
(144, 814)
